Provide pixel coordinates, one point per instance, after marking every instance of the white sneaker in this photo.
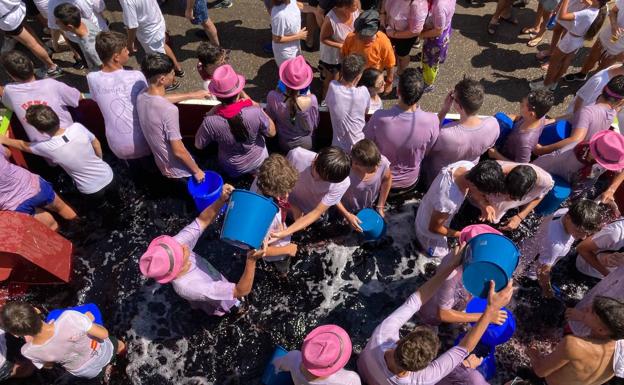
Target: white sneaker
(8, 44)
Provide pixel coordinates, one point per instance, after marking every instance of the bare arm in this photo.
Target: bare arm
(433, 32)
(177, 98)
(302, 222)
(495, 154)
(209, 214)
(588, 250)
(15, 143)
(577, 135)
(180, 151)
(543, 277)
(301, 35)
(353, 220)
(131, 39)
(98, 332)
(272, 130)
(384, 191)
(607, 195)
(563, 11)
(454, 316)
(97, 147)
(326, 35)
(436, 225)
(243, 287)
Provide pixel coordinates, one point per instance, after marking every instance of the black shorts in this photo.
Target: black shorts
(16, 31)
(331, 68)
(326, 5)
(31, 8)
(402, 47)
(13, 355)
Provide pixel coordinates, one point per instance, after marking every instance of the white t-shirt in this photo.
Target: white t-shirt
(146, 17)
(12, 13)
(610, 238)
(551, 241)
(285, 21)
(74, 152)
(617, 47)
(89, 9)
(292, 361)
(42, 6)
(347, 109)
(577, 28)
(592, 88)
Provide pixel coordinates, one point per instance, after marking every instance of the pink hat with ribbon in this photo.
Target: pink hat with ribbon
(472, 231)
(607, 147)
(296, 73)
(326, 350)
(226, 82)
(163, 259)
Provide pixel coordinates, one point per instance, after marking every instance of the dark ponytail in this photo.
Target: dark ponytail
(291, 102)
(598, 21)
(237, 128)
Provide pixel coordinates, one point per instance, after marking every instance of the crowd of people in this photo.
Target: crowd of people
(496, 165)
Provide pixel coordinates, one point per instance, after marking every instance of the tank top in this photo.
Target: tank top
(331, 55)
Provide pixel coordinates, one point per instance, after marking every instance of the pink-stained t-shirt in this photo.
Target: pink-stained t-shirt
(372, 364)
(445, 298)
(116, 94)
(520, 143)
(57, 95)
(292, 361)
(441, 14)
(363, 193)
(309, 192)
(457, 142)
(406, 15)
(609, 239)
(236, 158)
(71, 347)
(347, 110)
(202, 285)
(595, 118)
(16, 184)
(160, 123)
(295, 132)
(404, 138)
(462, 375)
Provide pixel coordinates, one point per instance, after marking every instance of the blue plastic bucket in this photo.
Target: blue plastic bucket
(555, 132)
(373, 225)
(446, 121)
(207, 192)
(494, 334)
(488, 366)
(489, 257)
(87, 307)
(555, 197)
(505, 124)
(280, 378)
(247, 219)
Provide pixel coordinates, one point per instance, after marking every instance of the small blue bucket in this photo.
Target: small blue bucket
(505, 124)
(247, 219)
(555, 197)
(555, 132)
(373, 225)
(494, 334)
(488, 366)
(87, 307)
(280, 378)
(446, 121)
(207, 192)
(489, 257)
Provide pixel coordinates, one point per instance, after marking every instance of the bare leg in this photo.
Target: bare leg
(567, 60)
(593, 57)
(22, 369)
(61, 208)
(211, 31)
(559, 63)
(403, 63)
(502, 7)
(46, 218)
(28, 40)
(312, 26)
(608, 61)
(540, 26)
(121, 346)
(556, 36)
(172, 56)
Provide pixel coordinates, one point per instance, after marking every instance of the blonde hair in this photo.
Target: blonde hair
(276, 177)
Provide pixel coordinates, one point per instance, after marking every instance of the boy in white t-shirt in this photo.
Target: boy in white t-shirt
(80, 31)
(601, 254)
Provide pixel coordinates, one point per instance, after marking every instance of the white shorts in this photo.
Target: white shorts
(570, 43)
(154, 46)
(12, 20)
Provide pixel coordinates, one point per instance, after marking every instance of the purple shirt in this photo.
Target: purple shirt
(404, 138)
(295, 132)
(519, 144)
(292, 361)
(116, 94)
(16, 184)
(462, 375)
(160, 123)
(363, 193)
(596, 118)
(445, 298)
(372, 364)
(347, 109)
(236, 158)
(405, 15)
(58, 96)
(441, 14)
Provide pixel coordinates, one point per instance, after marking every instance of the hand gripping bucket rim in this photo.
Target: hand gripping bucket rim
(269, 377)
(377, 227)
(205, 199)
(494, 334)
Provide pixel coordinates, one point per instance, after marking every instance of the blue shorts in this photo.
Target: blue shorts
(44, 197)
(200, 12)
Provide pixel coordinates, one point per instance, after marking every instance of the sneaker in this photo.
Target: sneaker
(174, 86)
(43, 73)
(179, 73)
(8, 44)
(576, 77)
(224, 4)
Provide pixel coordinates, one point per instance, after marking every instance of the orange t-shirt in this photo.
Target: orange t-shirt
(378, 54)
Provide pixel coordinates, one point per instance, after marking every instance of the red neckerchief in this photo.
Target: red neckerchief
(581, 151)
(284, 207)
(228, 112)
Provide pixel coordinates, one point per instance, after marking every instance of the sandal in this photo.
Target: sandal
(492, 27)
(510, 19)
(535, 41)
(528, 31)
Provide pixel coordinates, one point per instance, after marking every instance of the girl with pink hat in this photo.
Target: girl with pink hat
(324, 353)
(238, 125)
(295, 110)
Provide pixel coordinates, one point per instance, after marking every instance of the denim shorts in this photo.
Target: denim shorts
(200, 12)
(44, 197)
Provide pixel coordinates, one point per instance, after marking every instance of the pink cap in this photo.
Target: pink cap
(326, 350)
(163, 259)
(296, 73)
(472, 231)
(607, 147)
(225, 82)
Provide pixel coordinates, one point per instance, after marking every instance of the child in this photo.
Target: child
(404, 21)
(592, 89)
(372, 44)
(370, 182)
(210, 58)
(521, 142)
(82, 347)
(286, 29)
(197, 13)
(347, 104)
(26, 91)
(294, 111)
(172, 260)
(465, 139)
(12, 363)
(436, 37)
(80, 31)
(373, 80)
(323, 180)
(324, 353)
(599, 255)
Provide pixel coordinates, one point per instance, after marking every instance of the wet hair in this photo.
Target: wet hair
(208, 53)
(487, 176)
(18, 65)
(615, 86)
(519, 181)
(416, 350)
(109, 43)
(540, 102)
(276, 176)
(598, 21)
(332, 164)
(411, 86)
(366, 153)
(586, 215)
(43, 118)
(352, 67)
(68, 14)
(343, 3)
(20, 319)
(469, 95)
(156, 64)
(369, 78)
(611, 312)
(236, 124)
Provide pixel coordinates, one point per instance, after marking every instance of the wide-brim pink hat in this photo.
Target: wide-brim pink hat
(326, 350)
(472, 231)
(607, 148)
(226, 82)
(296, 73)
(163, 259)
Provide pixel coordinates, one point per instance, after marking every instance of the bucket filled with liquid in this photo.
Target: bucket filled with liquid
(555, 197)
(247, 219)
(373, 225)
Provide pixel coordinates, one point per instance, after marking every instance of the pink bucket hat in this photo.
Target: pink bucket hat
(296, 73)
(607, 147)
(472, 231)
(163, 259)
(326, 350)
(226, 82)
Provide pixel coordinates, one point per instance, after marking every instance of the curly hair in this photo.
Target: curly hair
(416, 350)
(276, 177)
